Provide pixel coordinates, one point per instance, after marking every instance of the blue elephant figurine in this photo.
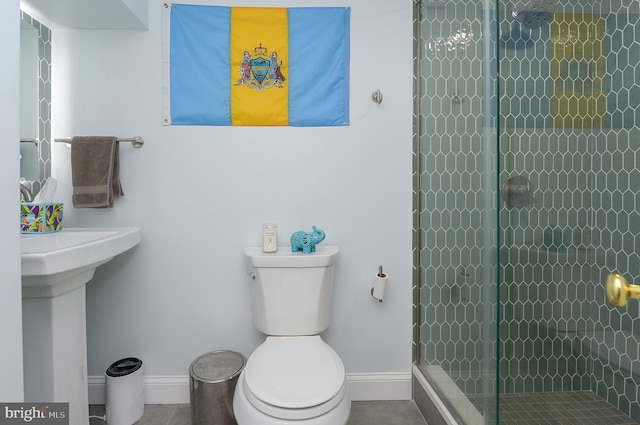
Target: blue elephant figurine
(306, 241)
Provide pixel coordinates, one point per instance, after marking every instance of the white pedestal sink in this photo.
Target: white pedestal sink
(55, 270)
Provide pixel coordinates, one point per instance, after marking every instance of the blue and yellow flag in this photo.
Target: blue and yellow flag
(256, 66)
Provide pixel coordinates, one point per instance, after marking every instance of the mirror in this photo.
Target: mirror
(35, 101)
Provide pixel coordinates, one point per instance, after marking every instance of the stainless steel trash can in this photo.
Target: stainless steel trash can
(213, 377)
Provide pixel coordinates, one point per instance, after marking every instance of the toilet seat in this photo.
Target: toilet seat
(295, 414)
(294, 377)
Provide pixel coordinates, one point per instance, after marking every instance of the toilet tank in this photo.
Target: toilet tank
(292, 292)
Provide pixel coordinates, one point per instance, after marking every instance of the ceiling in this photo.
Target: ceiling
(89, 14)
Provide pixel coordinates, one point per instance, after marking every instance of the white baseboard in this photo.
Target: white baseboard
(175, 389)
(379, 386)
(157, 389)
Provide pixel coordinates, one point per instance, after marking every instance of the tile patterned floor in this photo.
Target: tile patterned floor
(570, 408)
(556, 408)
(362, 413)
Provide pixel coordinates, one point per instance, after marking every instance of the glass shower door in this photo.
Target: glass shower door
(569, 176)
(527, 180)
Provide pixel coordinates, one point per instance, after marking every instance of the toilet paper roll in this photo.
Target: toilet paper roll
(379, 286)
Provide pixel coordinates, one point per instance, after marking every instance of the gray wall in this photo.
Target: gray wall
(201, 195)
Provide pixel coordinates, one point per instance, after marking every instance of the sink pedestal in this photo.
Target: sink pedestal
(55, 350)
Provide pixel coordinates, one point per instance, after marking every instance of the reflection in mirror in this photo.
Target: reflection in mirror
(35, 102)
(28, 81)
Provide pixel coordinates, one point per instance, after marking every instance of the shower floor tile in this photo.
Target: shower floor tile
(556, 408)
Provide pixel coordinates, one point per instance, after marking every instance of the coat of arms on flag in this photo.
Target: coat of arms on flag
(262, 71)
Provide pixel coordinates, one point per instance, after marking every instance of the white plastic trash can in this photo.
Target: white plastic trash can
(125, 392)
(213, 378)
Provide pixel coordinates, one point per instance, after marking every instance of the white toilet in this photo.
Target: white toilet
(293, 377)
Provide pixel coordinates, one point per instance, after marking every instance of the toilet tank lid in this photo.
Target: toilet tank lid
(294, 372)
(322, 257)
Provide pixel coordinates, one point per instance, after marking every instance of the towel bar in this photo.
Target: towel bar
(136, 141)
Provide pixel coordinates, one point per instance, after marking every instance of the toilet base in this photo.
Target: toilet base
(247, 414)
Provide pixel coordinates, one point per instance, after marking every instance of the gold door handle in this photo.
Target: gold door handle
(619, 290)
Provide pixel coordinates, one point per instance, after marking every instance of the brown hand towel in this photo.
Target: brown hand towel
(95, 169)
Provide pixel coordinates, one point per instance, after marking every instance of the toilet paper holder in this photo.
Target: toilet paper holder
(379, 285)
